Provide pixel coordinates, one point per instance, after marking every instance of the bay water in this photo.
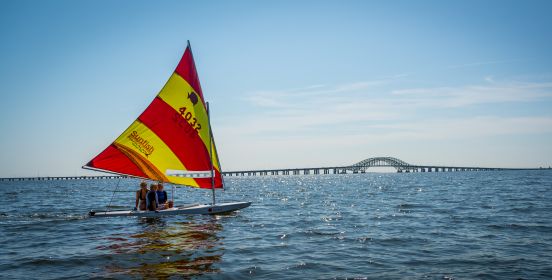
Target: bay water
(450, 225)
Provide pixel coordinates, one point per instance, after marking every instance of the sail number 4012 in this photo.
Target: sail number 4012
(184, 116)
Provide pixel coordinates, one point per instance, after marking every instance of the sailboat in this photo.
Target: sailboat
(170, 142)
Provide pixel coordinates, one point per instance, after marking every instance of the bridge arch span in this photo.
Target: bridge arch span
(362, 166)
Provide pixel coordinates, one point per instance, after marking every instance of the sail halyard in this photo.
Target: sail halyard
(173, 133)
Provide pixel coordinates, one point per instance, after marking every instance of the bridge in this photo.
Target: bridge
(362, 166)
(60, 178)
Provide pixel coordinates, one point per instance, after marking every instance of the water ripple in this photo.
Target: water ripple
(490, 225)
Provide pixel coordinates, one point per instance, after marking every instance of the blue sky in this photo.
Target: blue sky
(291, 83)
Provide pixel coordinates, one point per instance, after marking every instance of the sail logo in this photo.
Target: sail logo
(140, 143)
(193, 97)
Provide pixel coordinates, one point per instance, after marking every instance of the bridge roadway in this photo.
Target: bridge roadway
(347, 170)
(360, 167)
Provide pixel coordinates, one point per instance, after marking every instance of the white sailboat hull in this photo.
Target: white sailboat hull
(192, 209)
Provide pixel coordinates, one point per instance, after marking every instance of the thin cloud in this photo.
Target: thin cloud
(384, 113)
(495, 92)
(483, 63)
(371, 138)
(285, 97)
(462, 128)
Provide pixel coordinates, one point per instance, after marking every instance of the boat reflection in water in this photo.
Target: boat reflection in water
(161, 250)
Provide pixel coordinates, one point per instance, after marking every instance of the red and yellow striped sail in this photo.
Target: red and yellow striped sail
(171, 134)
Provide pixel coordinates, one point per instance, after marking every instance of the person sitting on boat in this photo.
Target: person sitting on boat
(161, 196)
(141, 197)
(151, 198)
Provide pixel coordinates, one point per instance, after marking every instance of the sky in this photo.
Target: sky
(290, 83)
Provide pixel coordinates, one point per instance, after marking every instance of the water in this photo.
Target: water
(465, 225)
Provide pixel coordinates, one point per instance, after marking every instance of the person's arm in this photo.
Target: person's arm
(137, 199)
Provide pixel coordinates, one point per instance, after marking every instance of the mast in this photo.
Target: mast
(210, 141)
(211, 152)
